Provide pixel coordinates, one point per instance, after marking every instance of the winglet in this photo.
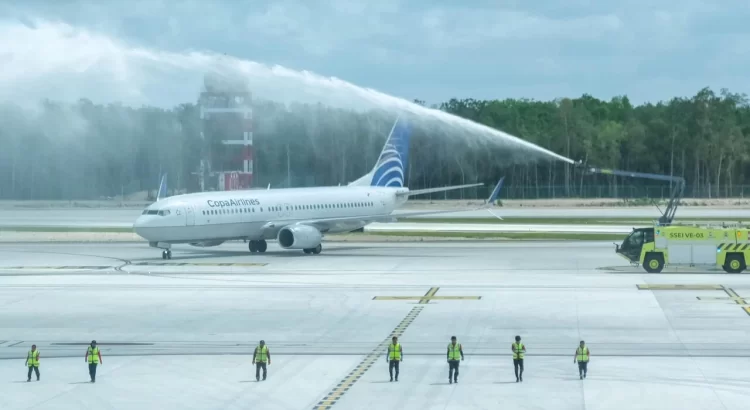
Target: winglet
(495, 192)
(162, 193)
(493, 197)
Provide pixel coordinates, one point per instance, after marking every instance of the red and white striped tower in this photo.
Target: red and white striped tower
(227, 116)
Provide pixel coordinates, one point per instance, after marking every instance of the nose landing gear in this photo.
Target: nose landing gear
(166, 254)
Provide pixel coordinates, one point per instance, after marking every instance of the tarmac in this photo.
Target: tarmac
(180, 333)
(124, 218)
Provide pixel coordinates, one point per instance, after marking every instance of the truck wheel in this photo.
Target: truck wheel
(735, 263)
(653, 263)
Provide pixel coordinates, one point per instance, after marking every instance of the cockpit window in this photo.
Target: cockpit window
(636, 239)
(164, 212)
(152, 212)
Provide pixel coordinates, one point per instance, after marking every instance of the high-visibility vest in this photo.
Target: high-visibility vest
(454, 352)
(33, 358)
(93, 355)
(394, 351)
(582, 355)
(261, 354)
(517, 350)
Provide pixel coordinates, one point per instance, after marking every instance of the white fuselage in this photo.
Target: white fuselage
(259, 214)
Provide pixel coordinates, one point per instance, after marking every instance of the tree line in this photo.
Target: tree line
(87, 151)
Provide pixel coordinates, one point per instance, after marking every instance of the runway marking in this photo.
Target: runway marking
(344, 385)
(739, 300)
(56, 267)
(194, 264)
(430, 295)
(680, 287)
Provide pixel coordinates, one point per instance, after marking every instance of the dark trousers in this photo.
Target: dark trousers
(35, 369)
(393, 364)
(92, 371)
(583, 367)
(452, 365)
(258, 366)
(518, 365)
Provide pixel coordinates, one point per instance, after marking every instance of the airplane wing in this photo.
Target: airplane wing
(324, 223)
(431, 190)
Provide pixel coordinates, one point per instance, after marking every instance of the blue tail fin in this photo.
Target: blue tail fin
(391, 168)
(393, 164)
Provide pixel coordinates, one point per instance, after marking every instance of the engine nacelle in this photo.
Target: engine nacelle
(299, 237)
(207, 244)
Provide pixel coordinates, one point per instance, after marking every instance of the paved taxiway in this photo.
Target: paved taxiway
(124, 218)
(178, 334)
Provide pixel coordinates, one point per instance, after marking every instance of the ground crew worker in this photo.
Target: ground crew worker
(455, 350)
(518, 350)
(93, 358)
(32, 361)
(260, 357)
(393, 356)
(582, 357)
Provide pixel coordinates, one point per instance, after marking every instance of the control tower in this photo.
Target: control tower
(227, 131)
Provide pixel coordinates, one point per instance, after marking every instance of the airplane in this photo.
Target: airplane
(297, 218)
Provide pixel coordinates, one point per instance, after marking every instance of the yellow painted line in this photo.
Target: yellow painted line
(719, 298)
(734, 295)
(330, 399)
(55, 267)
(195, 264)
(430, 293)
(680, 287)
(427, 298)
(738, 299)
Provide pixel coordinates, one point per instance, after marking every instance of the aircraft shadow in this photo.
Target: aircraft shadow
(333, 252)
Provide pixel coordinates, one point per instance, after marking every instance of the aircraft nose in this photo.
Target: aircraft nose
(139, 224)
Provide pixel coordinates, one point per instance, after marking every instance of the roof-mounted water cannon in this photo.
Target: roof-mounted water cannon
(677, 188)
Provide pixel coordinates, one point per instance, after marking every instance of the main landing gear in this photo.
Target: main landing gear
(166, 254)
(316, 250)
(258, 246)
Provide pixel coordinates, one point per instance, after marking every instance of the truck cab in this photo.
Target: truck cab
(632, 247)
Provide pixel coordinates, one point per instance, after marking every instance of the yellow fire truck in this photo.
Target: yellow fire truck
(655, 247)
(666, 243)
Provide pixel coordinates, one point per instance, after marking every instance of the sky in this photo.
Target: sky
(434, 50)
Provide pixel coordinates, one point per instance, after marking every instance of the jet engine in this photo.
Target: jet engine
(207, 244)
(299, 237)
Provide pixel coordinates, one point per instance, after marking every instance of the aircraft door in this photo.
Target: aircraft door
(189, 215)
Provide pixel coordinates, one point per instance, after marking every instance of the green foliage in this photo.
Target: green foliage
(88, 151)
